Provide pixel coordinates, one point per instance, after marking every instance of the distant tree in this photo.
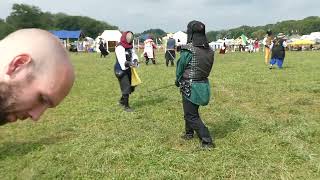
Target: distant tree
(89, 26)
(304, 26)
(155, 33)
(25, 16)
(259, 34)
(212, 35)
(5, 29)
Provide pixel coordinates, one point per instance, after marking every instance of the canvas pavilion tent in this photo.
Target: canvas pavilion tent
(180, 36)
(302, 42)
(66, 36)
(111, 37)
(215, 45)
(315, 36)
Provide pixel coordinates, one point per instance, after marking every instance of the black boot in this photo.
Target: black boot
(127, 108)
(187, 136)
(207, 146)
(121, 101)
(206, 143)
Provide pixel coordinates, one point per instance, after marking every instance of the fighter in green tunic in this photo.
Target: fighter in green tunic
(193, 68)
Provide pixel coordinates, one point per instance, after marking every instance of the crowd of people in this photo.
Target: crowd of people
(25, 92)
(34, 79)
(274, 48)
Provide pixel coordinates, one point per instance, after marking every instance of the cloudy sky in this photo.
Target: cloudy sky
(173, 15)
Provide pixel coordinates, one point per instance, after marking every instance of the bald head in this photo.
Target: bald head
(36, 61)
(42, 46)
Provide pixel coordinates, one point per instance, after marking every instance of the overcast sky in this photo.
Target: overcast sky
(173, 15)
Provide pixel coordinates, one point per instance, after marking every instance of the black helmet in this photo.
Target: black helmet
(196, 32)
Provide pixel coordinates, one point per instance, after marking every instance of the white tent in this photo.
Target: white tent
(216, 45)
(308, 37)
(111, 37)
(315, 35)
(219, 43)
(88, 44)
(181, 36)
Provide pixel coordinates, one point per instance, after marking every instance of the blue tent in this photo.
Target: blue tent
(64, 34)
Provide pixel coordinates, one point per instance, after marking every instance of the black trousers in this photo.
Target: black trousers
(170, 56)
(125, 82)
(193, 121)
(126, 88)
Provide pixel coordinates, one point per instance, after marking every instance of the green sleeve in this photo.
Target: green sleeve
(185, 57)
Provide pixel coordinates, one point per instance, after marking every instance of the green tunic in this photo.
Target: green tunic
(200, 91)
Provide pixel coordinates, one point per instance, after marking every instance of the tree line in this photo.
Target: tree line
(27, 16)
(289, 27)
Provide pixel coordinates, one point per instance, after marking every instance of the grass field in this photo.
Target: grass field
(266, 125)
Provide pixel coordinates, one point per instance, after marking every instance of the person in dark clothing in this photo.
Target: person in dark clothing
(193, 68)
(125, 59)
(223, 49)
(170, 52)
(278, 51)
(103, 49)
(178, 45)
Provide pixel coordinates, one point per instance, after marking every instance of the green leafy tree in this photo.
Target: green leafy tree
(155, 33)
(289, 27)
(259, 34)
(89, 26)
(25, 16)
(5, 29)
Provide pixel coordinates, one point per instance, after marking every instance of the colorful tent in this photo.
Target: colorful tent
(302, 42)
(64, 34)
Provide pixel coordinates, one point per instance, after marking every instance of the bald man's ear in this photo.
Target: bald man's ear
(17, 63)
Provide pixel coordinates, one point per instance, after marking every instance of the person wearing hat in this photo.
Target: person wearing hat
(267, 43)
(192, 71)
(125, 59)
(278, 50)
(170, 51)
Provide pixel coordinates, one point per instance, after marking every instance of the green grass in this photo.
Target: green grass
(266, 125)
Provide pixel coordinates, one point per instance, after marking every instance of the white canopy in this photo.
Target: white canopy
(108, 35)
(216, 45)
(181, 36)
(315, 35)
(111, 35)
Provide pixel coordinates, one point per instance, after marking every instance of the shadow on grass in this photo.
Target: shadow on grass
(14, 149)
(223, 128)
(148, 101)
